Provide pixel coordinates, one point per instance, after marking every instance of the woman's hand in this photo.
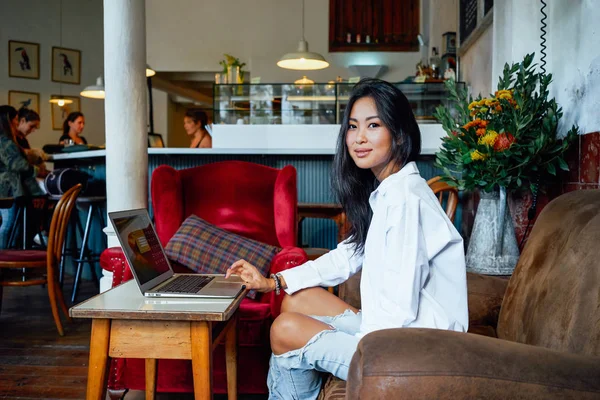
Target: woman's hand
(251, 277)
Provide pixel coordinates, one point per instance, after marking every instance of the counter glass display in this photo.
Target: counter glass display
(314, 104)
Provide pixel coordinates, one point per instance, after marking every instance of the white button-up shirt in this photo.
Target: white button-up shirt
(413, 266)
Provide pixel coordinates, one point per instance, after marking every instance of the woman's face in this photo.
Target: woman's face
(77, 125)
(369, 141)
(27, 128)
(190, 126)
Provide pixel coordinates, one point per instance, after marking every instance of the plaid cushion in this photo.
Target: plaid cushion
(207, 249)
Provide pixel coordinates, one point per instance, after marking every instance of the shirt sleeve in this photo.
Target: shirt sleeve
(330, 269)
(406, 264)
(415, 234)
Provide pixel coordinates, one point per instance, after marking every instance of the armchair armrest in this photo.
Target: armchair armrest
(436, 364)
(287, 258)
(485, 295)
(113, 260)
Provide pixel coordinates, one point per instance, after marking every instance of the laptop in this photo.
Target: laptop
(151, 268)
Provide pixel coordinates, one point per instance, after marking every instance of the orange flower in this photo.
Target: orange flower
(480, 132)
(503, 141)
(471, 124)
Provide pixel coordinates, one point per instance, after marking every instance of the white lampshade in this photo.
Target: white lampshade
(60, 100)
(149, 71)
(95, 91)
(303, 59)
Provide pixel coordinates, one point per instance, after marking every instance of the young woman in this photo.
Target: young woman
(411, 256)
(72, 129)
(17, 176)
(29, 122)
(195, 123)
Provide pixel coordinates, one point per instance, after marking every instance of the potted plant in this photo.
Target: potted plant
(233, 69)
(505, 142)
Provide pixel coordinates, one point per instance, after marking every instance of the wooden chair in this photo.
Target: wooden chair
(15, 263)
(439, 188)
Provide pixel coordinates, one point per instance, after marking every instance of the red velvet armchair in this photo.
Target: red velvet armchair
(248, 199)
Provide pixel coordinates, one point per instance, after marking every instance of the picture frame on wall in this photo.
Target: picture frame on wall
(66, 65)
(59, 114)
(23, 59)
(19, 99)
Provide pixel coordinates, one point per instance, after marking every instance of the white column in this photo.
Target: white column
(125, 110)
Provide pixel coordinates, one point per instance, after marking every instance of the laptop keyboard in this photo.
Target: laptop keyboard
(186, 284)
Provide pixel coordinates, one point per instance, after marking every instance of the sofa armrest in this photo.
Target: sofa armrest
(437, 364)
(113, 260)
(485, 295)
(287, 258)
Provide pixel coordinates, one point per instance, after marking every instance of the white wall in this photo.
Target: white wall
(573, 52)
(475, 66)
(38, 21)
(443, 17)
(192, 35)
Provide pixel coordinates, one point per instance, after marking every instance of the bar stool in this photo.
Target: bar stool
(24, 206)
(83, 254)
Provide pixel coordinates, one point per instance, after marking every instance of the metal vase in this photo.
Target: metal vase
(493, 248)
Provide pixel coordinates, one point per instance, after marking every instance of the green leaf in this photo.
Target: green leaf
(551, 169)
(563, 165)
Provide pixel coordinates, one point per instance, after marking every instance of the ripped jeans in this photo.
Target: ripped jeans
(297, 374)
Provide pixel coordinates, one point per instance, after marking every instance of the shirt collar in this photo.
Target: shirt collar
(408, 169)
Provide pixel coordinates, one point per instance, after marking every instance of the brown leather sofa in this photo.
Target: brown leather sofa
(548, 327)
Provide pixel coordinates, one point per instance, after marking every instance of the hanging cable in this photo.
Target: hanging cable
(536, 186)
(543, 37)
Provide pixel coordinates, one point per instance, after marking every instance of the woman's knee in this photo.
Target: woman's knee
(282, 331)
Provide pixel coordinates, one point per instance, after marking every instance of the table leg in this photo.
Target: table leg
(99, 341)
(151, 366)
(231, 359)
(201, 337)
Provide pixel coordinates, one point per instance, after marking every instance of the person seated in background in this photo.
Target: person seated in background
(17, 175)
(29, 122)
(196, 126)
(72, 128)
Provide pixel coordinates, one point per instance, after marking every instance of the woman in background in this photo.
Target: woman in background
(195, 124)
(17, 176)
(29, 122)
(72, 128)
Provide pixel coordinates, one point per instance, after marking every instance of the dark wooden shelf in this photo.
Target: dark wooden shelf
(393, 25)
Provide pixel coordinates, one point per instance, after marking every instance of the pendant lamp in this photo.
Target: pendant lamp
(94, 91)
(60, 100)
(302, 59)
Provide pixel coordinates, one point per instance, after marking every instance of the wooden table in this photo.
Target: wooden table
(127, 324)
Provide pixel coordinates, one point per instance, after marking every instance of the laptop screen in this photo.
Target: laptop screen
(141, 245)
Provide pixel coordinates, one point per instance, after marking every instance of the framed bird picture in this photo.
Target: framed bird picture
(66, 65)
(23, 60)
(19, 99)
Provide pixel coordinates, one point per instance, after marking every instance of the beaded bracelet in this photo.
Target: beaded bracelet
(277, 284)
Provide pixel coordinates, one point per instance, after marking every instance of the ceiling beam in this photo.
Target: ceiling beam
(172, 88)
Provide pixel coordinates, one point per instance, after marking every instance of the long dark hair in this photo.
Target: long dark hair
(28, 114)
(7, 114)
(70, 118)
(353, 185)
